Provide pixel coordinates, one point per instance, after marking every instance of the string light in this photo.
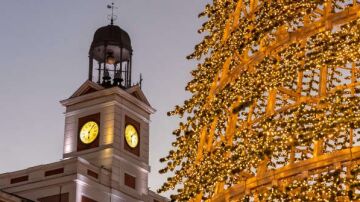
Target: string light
(231, 125)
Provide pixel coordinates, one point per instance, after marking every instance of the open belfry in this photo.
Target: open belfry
(275, 107)
(106, 137)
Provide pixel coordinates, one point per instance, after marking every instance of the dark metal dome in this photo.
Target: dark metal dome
(111, 49)
(111, 35)
(112, 40)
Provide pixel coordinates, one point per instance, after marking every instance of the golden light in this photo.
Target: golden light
(110, 59)
(277, 90)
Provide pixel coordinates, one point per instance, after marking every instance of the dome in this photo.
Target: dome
(111, 39)
(112, 35)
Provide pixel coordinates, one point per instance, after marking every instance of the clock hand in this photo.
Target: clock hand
(92, 126)
(90, 130)
(88, 135)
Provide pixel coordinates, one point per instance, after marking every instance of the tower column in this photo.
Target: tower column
(90, 76)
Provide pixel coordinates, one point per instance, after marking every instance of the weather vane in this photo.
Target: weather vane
(112, 16)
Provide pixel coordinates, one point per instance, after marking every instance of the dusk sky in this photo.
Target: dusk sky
(44, 58)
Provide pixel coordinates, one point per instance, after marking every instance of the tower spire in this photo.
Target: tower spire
(112, 16)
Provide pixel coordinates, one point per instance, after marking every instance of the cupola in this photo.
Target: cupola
(110, 57)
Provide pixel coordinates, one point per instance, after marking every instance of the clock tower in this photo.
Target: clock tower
(106, 135)
(107, 118)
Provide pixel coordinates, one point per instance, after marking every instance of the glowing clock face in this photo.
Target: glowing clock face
(89, 131)
(131, 136)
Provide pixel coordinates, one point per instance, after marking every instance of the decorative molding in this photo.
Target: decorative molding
(106, 92)
(127, 158)
(85, 87)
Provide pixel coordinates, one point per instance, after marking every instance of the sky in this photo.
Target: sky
(44, 59)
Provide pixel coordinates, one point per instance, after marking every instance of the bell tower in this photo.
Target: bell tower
(110, 56)
(107, 118)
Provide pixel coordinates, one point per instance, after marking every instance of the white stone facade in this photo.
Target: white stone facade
(96, 173)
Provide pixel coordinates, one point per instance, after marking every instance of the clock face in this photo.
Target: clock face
(131, 136)
(89, 131)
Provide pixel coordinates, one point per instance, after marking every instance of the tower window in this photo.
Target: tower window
(130, 181)
(54, 172)
(19, 179)
(92, 174)
(57, 197)
(86, 199)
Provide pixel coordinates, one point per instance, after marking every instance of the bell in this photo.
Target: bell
(110, 59)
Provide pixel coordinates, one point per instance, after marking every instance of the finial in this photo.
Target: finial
(112, 16)
(141, 80)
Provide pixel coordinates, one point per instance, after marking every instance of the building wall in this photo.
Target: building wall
(97, 173)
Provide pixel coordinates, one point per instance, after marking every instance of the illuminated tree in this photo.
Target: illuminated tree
(275, 106)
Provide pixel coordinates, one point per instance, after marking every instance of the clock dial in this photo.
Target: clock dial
(131, 136)
(89, 132)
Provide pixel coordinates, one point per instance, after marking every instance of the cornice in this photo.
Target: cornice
(107, 92)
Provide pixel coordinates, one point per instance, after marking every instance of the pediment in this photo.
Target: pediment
(138, 94)
(86, 88)
(90, 87)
